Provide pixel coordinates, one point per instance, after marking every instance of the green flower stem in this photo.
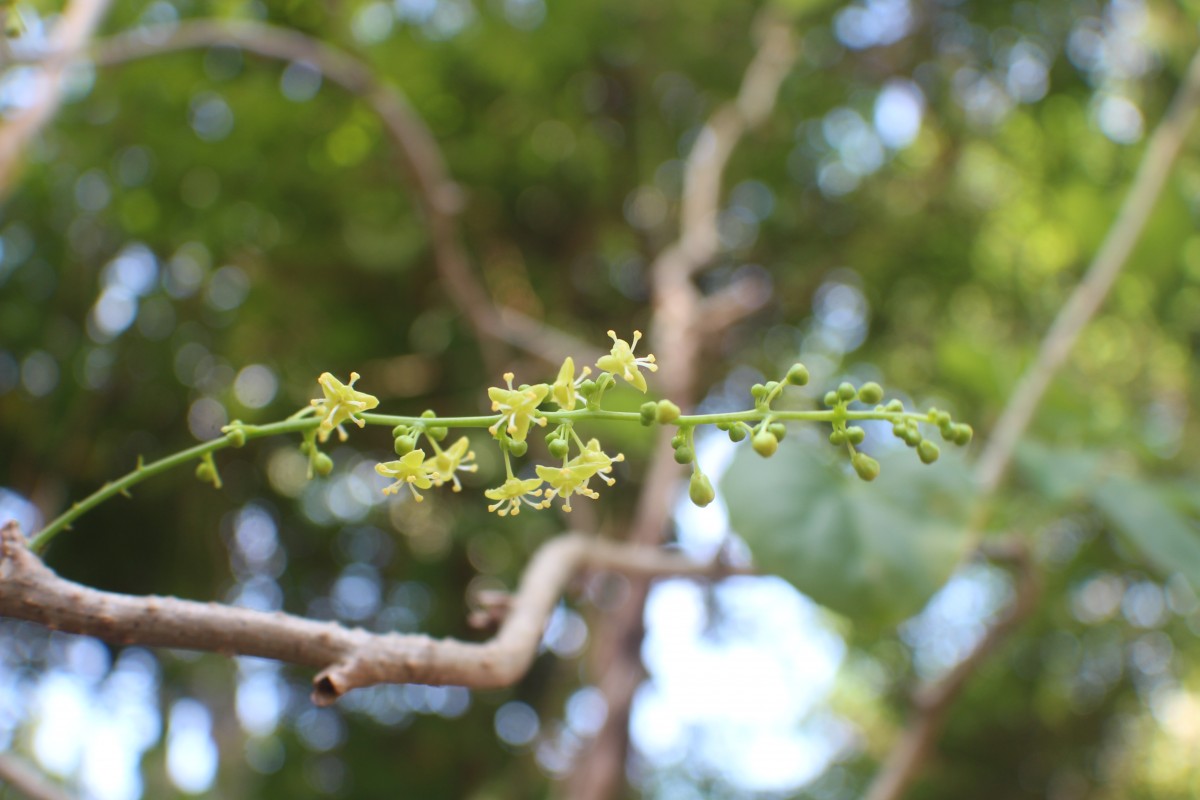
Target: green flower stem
(121, 486)
(304, 422)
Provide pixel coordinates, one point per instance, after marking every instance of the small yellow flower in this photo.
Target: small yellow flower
(566, 481)
(595, 461)
(442, 466)
(621, 361)
(517, 407)
(565, 389)
(341, 403)
(409, 471)
(513, 493)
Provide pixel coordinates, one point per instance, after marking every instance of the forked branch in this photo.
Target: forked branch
(347, 658)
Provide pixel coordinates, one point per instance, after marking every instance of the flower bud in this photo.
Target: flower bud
(684, 455)
(236, 436)
(778, 430)
(866, 467)
(928, 451)
(870, 393)
(797, 375)
(894, 405)
(518, 449)
(758, 391)
(700, 489)
(666, 412)
(855, 435)
(831, 399)
(838, 437)
(204, 472)
(559, 448)
(846, 391)
(647, 412)
(963, 434)
(764, 444)
(737, 432)
(404, 445)
(322, 464)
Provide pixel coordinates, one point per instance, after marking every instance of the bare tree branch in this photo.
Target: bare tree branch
(440, 199)
(348, 658)
(1085, 300)
(27, 781)
(75, 27)
(678, 329)
(932, 703)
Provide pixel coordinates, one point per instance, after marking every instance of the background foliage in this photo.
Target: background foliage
(199, 235)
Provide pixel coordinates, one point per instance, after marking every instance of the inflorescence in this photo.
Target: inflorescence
(569, 399)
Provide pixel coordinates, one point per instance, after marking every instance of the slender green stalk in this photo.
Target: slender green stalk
(303, 422)
(143, 471)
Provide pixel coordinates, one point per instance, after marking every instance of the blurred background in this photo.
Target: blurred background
(197, 235)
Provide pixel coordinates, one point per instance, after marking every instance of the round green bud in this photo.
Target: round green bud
(870, 393)
(947, 431)
(941, 418)
(797, 375)
(898, 429)
(778, 430)
(236, 437)
(963, 434)
(605, 381)
(912, 437)
(306, 447)
(204, 472)
(647, 411)
(678, 439)
(737, 433)
(894, 405)
(404, 445)
(700, 489)
(587, 387)
(772, 386)
(429, 413)
(666, 412)
(724, 426)
(855, 435)
(831, 399)
(437, 434)
(322, 464)
(559, 448)
(684, 455)
(518, 449)
(758, 391)
(846, 391)
(399, 430)
(866, 467)
(928, 451)
(838, 437)
(764, 444)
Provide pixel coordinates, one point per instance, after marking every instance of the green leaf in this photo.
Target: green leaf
(1144, 516)
(1060, 474)
(873, 552)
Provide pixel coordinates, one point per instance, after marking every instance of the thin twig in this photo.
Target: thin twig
(348, 658)
(677, 331)
(932, 703)
(75, 27)
(27, 781)
(1088, 295)
(440, 199)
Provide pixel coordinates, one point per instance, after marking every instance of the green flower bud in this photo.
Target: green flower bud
(666, 412)
(758, 391)
(700, 489)
(236, 436)
(963, 434)
(838, 437)
(870, 393)
(647, 411)
(866, 467)
(831, 399)
(894, 405)
(678, 439)
(947, 431)
(399, 430)
(928, 451)
(846, 391)
(737, 433)
(797, 375)
(322, 464)
(899, 429)
(912, 437)
(940, 418)
(306, 447)
(404, 444)
(772, 386)
(204, 472)
(437, 434)
(518, 449)
(559, 448)
(587, 387)
(855, 435)
(684, 455)
(429, 413)
(764, 444)
(778, 430)
(724, 426)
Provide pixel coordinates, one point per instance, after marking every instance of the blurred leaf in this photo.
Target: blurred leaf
(874, 552)
(1145, 517)
(1061, 474)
